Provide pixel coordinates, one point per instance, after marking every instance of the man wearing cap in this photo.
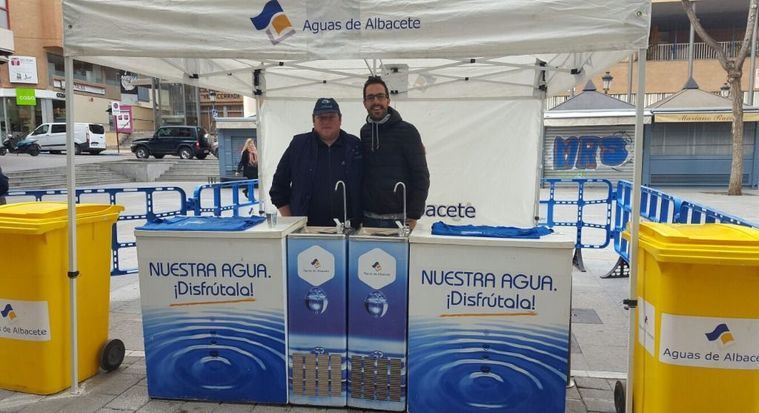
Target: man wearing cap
(304, 183)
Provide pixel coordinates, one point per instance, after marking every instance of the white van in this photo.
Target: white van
(88, 137)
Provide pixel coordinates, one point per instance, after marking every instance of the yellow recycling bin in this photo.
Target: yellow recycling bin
(35, 351)
(697, 341)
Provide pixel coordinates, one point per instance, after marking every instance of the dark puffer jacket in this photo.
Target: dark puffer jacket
(293, 182)
(393, 152)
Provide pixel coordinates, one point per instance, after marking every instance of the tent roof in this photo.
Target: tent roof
(307, 48)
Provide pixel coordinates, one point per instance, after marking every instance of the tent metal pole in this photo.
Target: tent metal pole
(630, 63)
(539, 168)
(640, 100)
(258, 93)
(71, 195)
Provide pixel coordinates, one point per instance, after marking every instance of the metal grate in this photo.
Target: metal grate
(375, 378)
(317, 375)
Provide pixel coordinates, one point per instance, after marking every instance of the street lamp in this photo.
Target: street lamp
(607, 78)
(724, 90)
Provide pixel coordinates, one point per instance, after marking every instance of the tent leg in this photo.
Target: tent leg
(258, 83)
(71, 194)
(640, 101)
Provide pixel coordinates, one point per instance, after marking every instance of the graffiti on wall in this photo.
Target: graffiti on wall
(591, 152)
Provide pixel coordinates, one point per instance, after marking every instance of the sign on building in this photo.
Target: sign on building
(25, 97)
(23, 69)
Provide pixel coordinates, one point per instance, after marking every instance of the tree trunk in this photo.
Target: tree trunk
(736, 167)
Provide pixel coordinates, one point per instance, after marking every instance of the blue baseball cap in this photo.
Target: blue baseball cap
(326, 105)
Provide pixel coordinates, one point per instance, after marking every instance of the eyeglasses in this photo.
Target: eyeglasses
(378, 96)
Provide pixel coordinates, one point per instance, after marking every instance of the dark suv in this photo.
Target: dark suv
(185, 142)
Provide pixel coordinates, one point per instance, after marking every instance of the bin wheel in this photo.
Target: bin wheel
(619, 397)
(113, 355)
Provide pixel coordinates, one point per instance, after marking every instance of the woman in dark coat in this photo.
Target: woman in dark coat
(248, 164)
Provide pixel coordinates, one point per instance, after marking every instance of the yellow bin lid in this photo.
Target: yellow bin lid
(701, 243)
(41, 217)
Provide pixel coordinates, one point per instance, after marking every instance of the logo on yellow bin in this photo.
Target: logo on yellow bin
(274, 20)
(8, 312)
(723, 334)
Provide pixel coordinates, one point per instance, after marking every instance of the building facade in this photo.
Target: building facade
(32, 85)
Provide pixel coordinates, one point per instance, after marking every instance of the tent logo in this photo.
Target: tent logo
(274, 20)
(8, 312)
(723, 333)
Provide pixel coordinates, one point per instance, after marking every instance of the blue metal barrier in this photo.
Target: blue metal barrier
(657, 206)
(196, 203)
(580, 203)
(149, 213)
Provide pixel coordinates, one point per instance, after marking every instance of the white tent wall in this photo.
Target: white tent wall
(481, 170)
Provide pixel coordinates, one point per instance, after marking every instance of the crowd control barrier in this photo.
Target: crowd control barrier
(577, 209)
(159, 202)
(656, 206)
(659, 207)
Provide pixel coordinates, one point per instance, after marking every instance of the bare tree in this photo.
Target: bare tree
(734, 69)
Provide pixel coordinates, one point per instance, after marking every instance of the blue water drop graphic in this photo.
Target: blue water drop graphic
(376, 304)
(316, 300)
(318, 350)
(485, 369)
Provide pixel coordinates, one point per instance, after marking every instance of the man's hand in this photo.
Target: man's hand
(411, 223)
(285, 211)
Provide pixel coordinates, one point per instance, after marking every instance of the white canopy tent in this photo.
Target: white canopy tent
(471, 75)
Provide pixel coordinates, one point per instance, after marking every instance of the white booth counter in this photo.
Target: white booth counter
(213, 309)
(488, 323)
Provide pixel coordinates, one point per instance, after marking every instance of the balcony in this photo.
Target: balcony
(679, 51)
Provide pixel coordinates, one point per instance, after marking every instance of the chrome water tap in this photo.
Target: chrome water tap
(344, 226)
(403, 229)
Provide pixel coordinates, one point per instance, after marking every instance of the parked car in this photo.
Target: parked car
(88, 137)
(186, 142)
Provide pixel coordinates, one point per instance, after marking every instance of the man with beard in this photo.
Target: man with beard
(393, 152)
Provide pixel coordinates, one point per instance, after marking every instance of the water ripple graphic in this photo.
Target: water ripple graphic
(216, 354)
(486, 365)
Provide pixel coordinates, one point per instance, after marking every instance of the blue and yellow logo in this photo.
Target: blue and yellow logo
(8, 312)
(723, 334)
(274, 20)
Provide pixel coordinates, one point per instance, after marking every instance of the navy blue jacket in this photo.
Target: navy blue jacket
(293, 181)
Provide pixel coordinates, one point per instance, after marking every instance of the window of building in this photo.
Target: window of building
(112, 77)
(143, 94)
(88, 72)
(5, 22)
(54, 67)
